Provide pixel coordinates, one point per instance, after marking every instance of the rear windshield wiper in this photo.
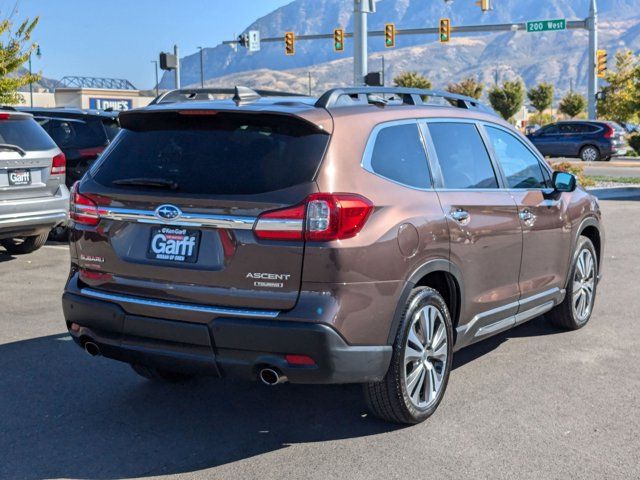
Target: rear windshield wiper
(15, 148)
(148, 182)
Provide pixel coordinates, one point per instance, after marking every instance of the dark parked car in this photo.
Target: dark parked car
(362, 237)
(588, 140)
(81, 134)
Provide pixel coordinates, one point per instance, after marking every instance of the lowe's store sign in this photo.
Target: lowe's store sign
(110, 103)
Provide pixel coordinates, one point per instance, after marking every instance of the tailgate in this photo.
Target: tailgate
(178, 197)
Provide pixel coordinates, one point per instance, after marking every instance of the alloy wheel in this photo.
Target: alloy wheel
(583, 285)
(589, 154)
(425, 357)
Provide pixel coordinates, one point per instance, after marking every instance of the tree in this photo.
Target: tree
(572, 104)
(469, 87)
(15, 48)
(412, 80)
(541, 96)
(621, 100)
(508, 99)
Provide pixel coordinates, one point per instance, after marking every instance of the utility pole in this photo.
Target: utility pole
(176, 52)
(309, 83)
(592, 24)
(157, 85)
(201, 69)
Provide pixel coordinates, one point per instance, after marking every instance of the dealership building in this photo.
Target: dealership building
(89, 92)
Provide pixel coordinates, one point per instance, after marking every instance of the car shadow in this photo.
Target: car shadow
(533, 328)
(6, 256)
(64, 414)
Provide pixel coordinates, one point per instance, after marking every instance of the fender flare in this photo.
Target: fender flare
(434, 265)
(589, 221)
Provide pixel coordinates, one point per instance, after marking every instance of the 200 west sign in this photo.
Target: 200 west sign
(547, 25)
(110, 103)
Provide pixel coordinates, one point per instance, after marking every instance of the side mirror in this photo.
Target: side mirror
(564, 182)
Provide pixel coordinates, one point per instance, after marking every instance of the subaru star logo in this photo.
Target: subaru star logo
(168, 212)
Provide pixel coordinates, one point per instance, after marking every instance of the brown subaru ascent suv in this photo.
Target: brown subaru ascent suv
(362, 237)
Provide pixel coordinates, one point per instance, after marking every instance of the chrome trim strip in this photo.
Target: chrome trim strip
(552, 292)
(224, 311)
(271, 224)
(185, 220)
(496, 326)
(48, 216)
(534, 312)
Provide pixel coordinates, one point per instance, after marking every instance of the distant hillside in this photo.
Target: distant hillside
(558, 57)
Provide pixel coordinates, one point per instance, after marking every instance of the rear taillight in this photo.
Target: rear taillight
(321, 217)
(4, 116)
(59, 164)
(83, 210)
(608, 132)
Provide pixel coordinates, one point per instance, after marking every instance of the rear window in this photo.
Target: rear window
(24, 132)
(74, 133)
(221, 154)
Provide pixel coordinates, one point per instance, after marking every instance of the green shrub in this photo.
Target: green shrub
(577, 170)
(634, 142)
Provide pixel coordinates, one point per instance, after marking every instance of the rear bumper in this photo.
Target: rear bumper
(28, 216)
(223, 346)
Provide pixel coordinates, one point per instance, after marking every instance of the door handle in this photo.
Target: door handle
(527, 217)
(460, 216)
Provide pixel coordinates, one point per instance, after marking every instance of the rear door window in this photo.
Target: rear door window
(521, 167)
(398, 154)
(462, 156)
(214, 154)
(23, 131)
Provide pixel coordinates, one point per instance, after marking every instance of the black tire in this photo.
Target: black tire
(24, 245)
(389, 399)
(564, 315)
(59, 234)
(160, 374)
(589, 153)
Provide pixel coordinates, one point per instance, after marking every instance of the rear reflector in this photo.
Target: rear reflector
(83, 210)
(299, 360)
(59, 165)
(321, 217)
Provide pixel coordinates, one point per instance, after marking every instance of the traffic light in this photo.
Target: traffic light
(445, 30)
(338, 40)
(485, 5)
(601, 63)
(289, 43)
(389, 35)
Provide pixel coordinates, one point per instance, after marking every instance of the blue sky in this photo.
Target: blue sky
(120, 38)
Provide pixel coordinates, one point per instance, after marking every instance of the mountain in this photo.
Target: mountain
(559, 56)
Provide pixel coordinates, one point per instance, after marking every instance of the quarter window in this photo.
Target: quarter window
(398, 154)
(520, 166)
(462, 155)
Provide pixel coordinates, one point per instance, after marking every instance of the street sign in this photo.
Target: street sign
(254, 41)
(547, 25)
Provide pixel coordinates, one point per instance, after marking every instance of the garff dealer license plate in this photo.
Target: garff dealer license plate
(19, 177)
(174, 245)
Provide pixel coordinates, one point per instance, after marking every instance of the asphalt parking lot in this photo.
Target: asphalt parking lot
(534, 402)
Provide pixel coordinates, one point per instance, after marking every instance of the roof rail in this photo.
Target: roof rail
(240, 94)
(351, 96)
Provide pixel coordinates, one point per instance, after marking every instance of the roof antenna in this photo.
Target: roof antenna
(245, 95)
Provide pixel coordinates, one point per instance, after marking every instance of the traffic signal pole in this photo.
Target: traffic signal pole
(360, 54)
(592, 25)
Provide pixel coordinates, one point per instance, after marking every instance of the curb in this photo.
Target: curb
(612, 193)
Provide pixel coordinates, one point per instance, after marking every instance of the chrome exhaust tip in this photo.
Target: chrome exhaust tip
(271, 377)
(92, 349)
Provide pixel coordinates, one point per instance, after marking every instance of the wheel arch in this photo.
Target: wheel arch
(589, 227)
(439, 274)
